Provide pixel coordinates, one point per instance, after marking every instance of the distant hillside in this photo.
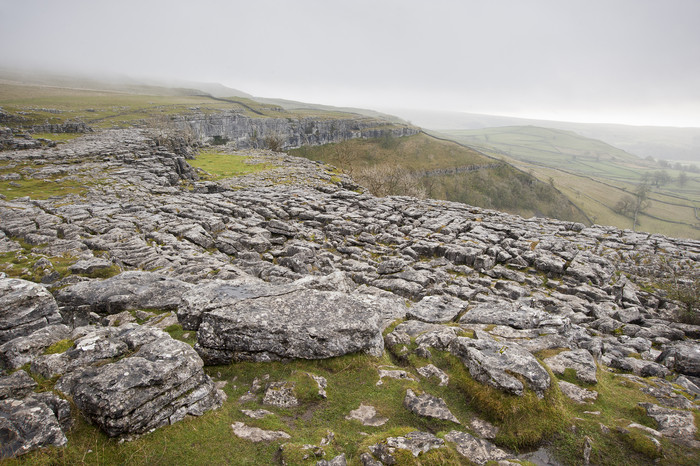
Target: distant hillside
(677, 144)
(596, 176)
(439, 169)
(122, 84)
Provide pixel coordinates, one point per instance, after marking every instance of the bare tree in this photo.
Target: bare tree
(632, 205)
(390, 180)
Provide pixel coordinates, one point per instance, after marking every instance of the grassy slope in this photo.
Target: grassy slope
(107, 109)
(593, 174)
(501, 187)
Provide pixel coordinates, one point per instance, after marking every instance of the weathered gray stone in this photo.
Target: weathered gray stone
(483, 428)
(16, 385)
(576, 393)
(280, 394)
(416, 442)
(24, 308)
(256, 413)
(579, 360)
(305, 324)
(396, 374)
(682, 357)
(255, 434)
(477, 450)
(23, 350)
(28, 424)
(159, 382)
(126, 291)
(90, 266)
(427, 405)
(511, 314)
(215, 294)
(432, 371)
(367, 415)
(436, 309)
(492, 362)
(672, 423)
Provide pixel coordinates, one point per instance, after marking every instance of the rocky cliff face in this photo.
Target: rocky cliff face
(291, 264)
(286, 133)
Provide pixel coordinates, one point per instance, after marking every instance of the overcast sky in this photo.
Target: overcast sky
(622, 61)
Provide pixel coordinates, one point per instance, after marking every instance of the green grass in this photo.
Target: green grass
(210, 440)
(40, 188)
(222, 165)
(142, 105)
(57, 137)
(495, 187)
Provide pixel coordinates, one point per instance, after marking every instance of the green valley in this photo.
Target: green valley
(597, 177)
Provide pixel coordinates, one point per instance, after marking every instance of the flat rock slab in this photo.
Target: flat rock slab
(256, 413)
(215, 294)
(280, 394)
(416, 442)
(396, 374)
(302, 324)
(436, 309)
(24, 308)
(128, 290)
(492, 362)
(483, 428)
(511, 314)
(255, 434)
(367, 415)
(427, 405)
(477, 450)
(581, 361)
(23, 350)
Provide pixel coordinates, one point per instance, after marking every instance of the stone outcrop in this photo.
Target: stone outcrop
(495, 364)
(24, 308)
(132, 379)
(284, 133)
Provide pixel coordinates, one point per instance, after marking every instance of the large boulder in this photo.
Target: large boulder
(24, 307)
(497, 364)
(131, 379)
(306, 324)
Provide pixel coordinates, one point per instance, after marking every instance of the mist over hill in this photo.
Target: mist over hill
(659, 142)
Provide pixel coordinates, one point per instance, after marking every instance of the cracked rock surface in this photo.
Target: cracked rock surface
(267, 267)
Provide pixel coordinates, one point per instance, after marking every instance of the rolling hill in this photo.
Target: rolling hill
(441, 169)
(595, 175)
